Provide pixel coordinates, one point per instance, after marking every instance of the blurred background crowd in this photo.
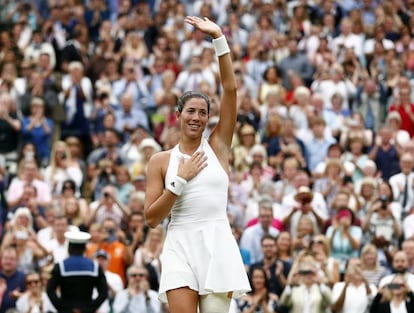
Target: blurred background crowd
(321, 196)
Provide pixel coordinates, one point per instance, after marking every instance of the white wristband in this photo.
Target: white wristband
(220, 46)
(177, 185)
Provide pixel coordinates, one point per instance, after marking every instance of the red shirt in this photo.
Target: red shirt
(406, 122)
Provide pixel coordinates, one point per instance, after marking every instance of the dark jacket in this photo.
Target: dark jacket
(76, 277)
(384, 307)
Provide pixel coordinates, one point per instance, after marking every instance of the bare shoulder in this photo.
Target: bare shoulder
(160, 160)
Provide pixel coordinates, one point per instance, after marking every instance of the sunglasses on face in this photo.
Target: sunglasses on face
(33, 282)
(137, 275)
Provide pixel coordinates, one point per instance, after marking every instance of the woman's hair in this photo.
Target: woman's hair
(369, 248)
(122, 169)
(325, 243)
(306, 219)
(189, 95)
(275, 122)
(290, 250)
(56, 145)
(270, 68)
(159, 229)
(69, 182)
(31, 273)
(65, 204)
(266, 280)
(391, 195)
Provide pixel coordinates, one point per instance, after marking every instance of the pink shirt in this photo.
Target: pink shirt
(16, 187)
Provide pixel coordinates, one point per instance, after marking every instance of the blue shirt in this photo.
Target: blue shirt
(317, 150)
(38, 137)
(13, 282)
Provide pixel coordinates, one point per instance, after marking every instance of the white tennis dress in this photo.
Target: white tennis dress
(199, 250)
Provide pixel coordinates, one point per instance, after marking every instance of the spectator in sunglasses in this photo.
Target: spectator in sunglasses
(137, 297)
(34, 299)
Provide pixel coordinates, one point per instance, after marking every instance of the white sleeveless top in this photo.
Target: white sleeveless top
(205, 196)
(200, 251)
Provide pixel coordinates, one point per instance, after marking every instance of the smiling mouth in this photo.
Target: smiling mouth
(194, 126)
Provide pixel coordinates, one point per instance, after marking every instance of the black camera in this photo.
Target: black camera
(394, 286)
(305, 272)
(106, 195)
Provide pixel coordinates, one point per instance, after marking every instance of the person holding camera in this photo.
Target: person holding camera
(304, 202)
(62, 168)
(110, 241)
(382, 228)
(108, 206)
(305, 291)
(137, 297)
(395, 297)
(355, 293)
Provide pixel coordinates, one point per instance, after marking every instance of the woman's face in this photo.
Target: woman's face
(271, 75)
(258, 279)
(356, 147)
(333, 171)
(155, 236)
(370, 257)
(23, 221)
(247, 140)
(384, 190)
(60, 154)
(122, 177)
(367, 190)
(194, 117)
(283, 242)
(37, 110)
(33, 281)
(318, 245)
(71, 206)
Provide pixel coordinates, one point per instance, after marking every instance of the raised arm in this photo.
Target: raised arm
(228, 104)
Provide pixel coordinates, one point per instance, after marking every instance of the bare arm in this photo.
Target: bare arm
(223, 133)
(158, 202)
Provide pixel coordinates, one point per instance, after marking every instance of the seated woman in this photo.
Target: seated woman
(284, 247)
(344, 236)
(150, 251)
(304, 291)
(61, 168)
(372, 270)
(259, 300)
(355, 293)
(394, 297)
(382, 228)
(328, 266)
(29, 250)
(305, 231)
(72, 210)
(34, 299)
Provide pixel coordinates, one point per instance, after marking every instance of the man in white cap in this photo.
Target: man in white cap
(76, 277)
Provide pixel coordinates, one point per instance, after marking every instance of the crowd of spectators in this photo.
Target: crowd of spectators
(321, 195)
